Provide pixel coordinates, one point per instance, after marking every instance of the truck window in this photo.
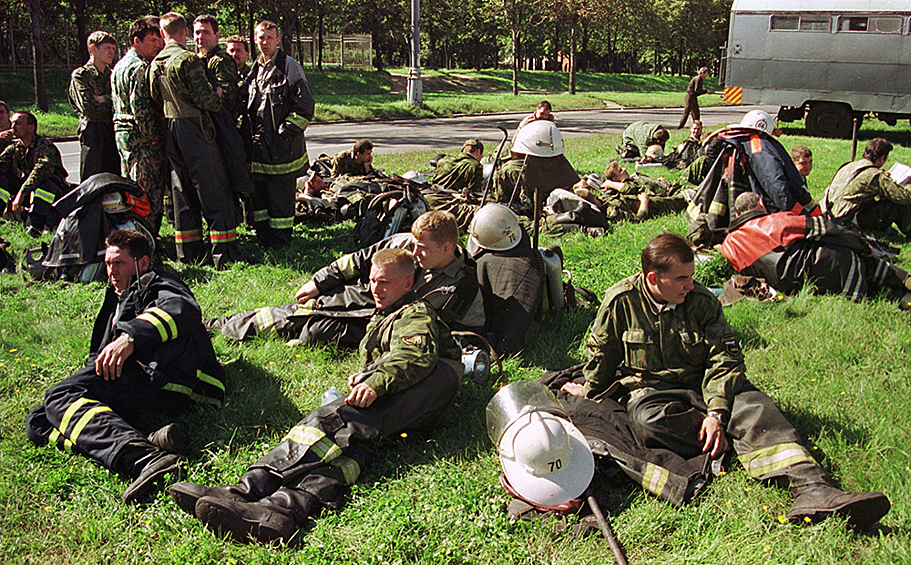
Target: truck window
(800, 23)
(870, 24)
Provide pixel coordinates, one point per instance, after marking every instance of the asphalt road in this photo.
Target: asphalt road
(399, 136)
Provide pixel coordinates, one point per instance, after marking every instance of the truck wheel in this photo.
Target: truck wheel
(830, 120)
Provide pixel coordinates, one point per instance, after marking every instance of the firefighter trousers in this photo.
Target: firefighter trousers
(98, 151)
(88, 415)
(293, 321)
(273, 208)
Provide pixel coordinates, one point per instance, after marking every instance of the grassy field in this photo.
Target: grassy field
(838, 369)
(375, 95)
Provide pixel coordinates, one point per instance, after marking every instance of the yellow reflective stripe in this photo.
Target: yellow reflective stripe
(655, 478)
(151, 318)
(187, 391)
(717, 208)
(280, 168)
(316, 439)
(68, 415)
(85, 420)
(345, 264)
(48, 197)
(4, 195)
(350, 469)
(298, 120)
(210, 380)
(166, 318)
(281, 223)
(692, 211)
(264, 320)
(260, 215)
(55, 436)
(775, 458)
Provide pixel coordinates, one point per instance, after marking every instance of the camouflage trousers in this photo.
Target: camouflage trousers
(147, 165)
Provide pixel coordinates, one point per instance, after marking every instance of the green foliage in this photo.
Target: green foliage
(838, 369)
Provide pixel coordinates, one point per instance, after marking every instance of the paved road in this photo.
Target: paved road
(397, 136)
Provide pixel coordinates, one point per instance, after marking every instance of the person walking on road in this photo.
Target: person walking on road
(691, 99)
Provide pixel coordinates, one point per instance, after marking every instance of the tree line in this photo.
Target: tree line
(634, 36)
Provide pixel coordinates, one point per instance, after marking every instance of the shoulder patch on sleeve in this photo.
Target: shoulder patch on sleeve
(621, 287)
(731, 346)
(417, 339)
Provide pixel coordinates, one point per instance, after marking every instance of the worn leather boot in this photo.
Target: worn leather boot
(148, 471)
(273, 519)
(253, 485)
(172, 438)
(818, 501)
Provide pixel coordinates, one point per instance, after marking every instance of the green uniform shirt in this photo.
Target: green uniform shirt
(344, 164)
(86, 82)
(39, 161)
(504, 181)
(134, 111)
(177, 80)
(641, 135)
(224, 69)
(410, 340)
(646, 344)
(460, 173)
(844, 199)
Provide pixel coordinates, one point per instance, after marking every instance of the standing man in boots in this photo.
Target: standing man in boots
(149, 355)
(661, 345)
(178, 82)
(89, 94)
(279, 108)
(411, 372)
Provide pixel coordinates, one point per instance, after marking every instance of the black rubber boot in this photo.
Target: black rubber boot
(273, 519)
(816, 502)
(254, 485)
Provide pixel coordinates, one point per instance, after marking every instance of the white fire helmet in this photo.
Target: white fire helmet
(494, 227)
(546, 459)
(757, 119)
(540, 138)
(654, 152)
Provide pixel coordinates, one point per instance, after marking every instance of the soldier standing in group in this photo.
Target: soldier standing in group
(279, 108)
(410, 373)
(236, 47)
(138, 127)
(90, 95)
(178, 82)
(219, 63)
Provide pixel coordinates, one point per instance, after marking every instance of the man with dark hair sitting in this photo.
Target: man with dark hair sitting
(410, 373)
(357, 162)
(661, 345)
(150, 355)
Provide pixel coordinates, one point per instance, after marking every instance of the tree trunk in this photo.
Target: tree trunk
(515, 60)
(572, 57)
(319, 45)
(34, 11)
(82, 34)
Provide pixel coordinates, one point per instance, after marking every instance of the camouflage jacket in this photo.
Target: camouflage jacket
(134, 111)
(408, 339)
(504, 182)
(86, 82)
(38, 162)
(462, 173)
(223, 74)
(846, 195)
(641, 135)
(344, 164)
(640, 343)
(177, 80)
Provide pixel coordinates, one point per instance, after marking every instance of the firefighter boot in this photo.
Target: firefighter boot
(272, 519)
(147, 465)
(172, 438)
(254, 485)
(818, 501)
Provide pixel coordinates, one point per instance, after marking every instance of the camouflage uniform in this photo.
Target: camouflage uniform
(44, 182)
(96, 120)
(178, 82)
(638, 136)
(670, 365)
(504, 182)
(138, 130)
(344, 164)
(224, 72)
(623, 205)
(867, 196)
(314, 465)
(462, 173)
(340, 313)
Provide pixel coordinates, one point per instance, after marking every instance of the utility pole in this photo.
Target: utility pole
(415, 88)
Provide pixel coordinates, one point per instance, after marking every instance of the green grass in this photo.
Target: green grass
(839, 370)
(368, 95)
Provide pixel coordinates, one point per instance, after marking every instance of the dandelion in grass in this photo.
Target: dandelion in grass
(782, 518)
(13, 350)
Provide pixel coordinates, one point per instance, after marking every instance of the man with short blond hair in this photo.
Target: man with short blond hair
(178, 82)
(279, 109)
(89, 94)
(335, 305)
